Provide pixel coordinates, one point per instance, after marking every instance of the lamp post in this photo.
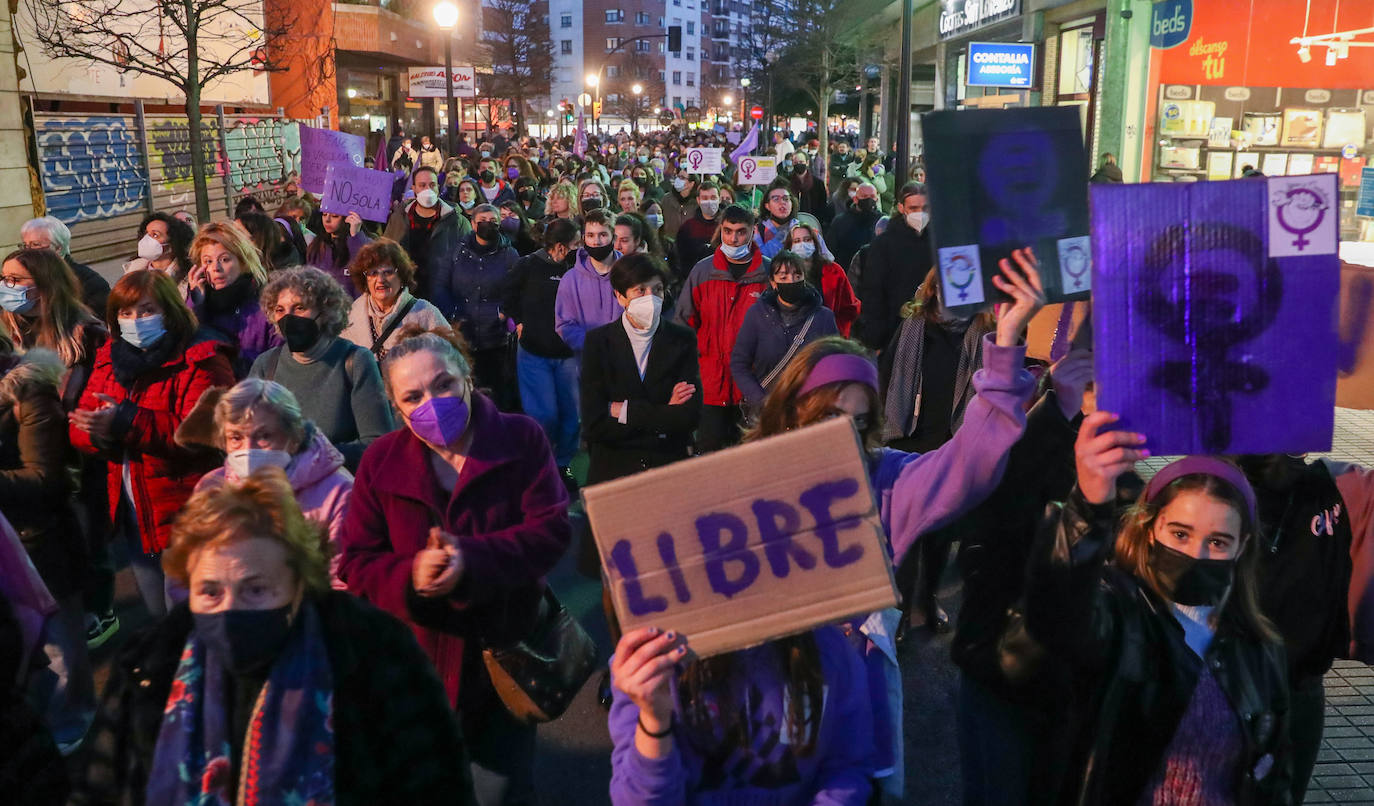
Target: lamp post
(446, 17)
(634, 121)
(593, 81)
(744, 100)
(727, 102)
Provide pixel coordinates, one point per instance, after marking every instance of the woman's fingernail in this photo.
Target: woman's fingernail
(671, 636)
(682, 650)
(653, 631)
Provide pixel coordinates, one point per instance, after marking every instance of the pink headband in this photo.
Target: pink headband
(841, 368)
(1205, 465)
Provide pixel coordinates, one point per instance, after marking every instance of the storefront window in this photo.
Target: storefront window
(1076, 61)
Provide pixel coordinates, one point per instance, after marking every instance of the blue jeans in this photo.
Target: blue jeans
(549, 394)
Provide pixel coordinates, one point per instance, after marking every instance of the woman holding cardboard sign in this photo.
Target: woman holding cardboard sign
(1188, 678)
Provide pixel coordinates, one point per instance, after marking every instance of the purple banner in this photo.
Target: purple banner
(1203, 341)
(322, 147)
(357, 190)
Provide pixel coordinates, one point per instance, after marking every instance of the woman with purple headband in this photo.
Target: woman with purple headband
(1185, 682)
(663, 743)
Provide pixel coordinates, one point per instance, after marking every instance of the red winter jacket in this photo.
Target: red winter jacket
(713, 303)
(162, 473)
(838, 296)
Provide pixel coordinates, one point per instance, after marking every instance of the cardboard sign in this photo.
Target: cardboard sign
(322, 147)
(702, 160)
(1214, 324)
(361, 190)
(1000, 180)
(428, 82)
(757, 170)
(739, 547)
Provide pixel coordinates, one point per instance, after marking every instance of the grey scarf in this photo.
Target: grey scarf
(902, 407)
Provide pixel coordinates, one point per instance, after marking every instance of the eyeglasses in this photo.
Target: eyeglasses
(385, 272)
(37, 245)
(772, 199)
(11, 282)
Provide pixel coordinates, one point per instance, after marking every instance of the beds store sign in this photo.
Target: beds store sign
(958, 17)
(1170, 22)
(1001, 64)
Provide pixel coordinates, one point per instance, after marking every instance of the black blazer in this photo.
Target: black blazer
(655, 433)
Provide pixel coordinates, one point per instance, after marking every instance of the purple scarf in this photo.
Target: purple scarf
(288, 752)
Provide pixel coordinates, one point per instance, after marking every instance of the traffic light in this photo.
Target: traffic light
(674, 38)
(596, 109)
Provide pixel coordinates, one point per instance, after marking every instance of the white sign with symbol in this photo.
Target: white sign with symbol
(703, 160)
(757, 171)
(1302, 215)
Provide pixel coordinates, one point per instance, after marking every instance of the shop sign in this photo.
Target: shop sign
(958, 17)
(1364, 203)
(1170, 22)
(428, 82)
(1001, 64)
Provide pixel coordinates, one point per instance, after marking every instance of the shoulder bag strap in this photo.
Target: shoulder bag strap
(380, 341)
(791, 351)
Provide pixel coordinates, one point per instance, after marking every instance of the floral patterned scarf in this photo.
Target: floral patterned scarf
(288, 751)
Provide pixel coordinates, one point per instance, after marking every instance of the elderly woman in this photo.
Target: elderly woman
(266, 686)
(259, 424)
(49, 232)
(225, 283)
(385, 278)
(453, 523)
(335, 380)
(143, 386)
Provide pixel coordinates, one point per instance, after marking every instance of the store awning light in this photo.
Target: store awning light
(1337, 44)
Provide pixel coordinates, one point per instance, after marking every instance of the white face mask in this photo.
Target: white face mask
(709, 207)
(427, 198)
(244, 463)
(804, 248)
(149, 248)
(736, 253)
(918, 220)
(645, 309)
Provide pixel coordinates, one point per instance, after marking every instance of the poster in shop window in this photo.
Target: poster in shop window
(1214, 312)
(1001, 180)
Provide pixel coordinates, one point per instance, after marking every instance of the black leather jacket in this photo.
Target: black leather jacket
(1141, 672)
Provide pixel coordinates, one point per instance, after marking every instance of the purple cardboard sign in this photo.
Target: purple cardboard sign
(361, 190)
(320, 148)
(1203, 341)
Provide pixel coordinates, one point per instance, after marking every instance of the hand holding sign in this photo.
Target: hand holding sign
(1102, 456)
(645, 661)
(1026, 292)
(357, 191)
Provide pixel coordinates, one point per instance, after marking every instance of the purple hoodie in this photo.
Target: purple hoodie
(585, 302)
(768, 772)
(324, 260)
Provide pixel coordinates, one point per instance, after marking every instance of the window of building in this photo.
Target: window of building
(612, 70)
(660, 76)
(612, 42)
(642, 18)
(677, 77)
(691, 54)
(677, 100)
(565, 21)
(691, 27)
(691, 79)
(565, 47)
(642, 46)
(615, 15)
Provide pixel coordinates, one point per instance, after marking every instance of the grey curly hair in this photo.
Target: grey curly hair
(320, 291)
(259, 395)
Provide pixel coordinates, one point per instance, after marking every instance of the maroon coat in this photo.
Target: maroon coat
(162, 473)
(509, 512)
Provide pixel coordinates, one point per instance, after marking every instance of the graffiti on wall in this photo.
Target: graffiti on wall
(169, 142)
(92, 168)
(261, 152)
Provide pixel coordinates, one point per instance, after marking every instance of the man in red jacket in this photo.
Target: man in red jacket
(718, 292)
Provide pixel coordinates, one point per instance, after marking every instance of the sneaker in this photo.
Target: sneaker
(100, 628)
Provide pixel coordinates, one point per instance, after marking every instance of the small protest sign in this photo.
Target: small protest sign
(1214, 305)
(738, 547)
(1001, 179)
(757, 170)
(361, 190)
(322, 147)
(703, 160)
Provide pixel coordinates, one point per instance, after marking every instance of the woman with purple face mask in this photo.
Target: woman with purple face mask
(454, 521)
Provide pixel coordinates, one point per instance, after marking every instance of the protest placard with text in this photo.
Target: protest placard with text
(361, 190)
(322, 147)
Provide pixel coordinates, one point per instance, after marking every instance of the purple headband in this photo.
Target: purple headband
(838, 368)
(1205, 465)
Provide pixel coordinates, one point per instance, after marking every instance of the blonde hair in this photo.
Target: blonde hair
(568, 193)
(263, 505)
(234, 241)
(629, 186)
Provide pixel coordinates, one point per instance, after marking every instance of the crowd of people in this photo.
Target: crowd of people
(338, 458)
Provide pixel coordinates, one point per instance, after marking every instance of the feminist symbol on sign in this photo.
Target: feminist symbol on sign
(1305, 207)
(694, 157)
(959, 266)
(1076, 265)
(747, 167)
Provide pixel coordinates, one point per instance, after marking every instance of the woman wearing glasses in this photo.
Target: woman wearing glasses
(385, 277)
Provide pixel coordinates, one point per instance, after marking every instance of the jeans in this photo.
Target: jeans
(549, 394)
(64, 692)
(491, 373)
(1012, 753)
(502, 755)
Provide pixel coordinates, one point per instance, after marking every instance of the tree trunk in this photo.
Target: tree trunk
(194, 135)
(823, 114)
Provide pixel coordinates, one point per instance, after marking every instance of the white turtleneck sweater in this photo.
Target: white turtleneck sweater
(640, 341)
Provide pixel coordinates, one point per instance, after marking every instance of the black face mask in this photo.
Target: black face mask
(487, 176)
(792, 293)
(867, 205)
(489, 231)
(1189, 581)
(527, 194)
(301, 332)
(599, 253)
(593, 203)
(245, 641)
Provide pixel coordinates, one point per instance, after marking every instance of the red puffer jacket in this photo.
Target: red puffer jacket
(162, 473)
(713, 303)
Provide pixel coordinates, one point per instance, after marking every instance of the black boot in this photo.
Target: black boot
(603, 691)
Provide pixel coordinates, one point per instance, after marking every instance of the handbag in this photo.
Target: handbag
(537, 677)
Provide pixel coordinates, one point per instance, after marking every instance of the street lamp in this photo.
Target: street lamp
(593, 79)
(634, 121)
(446, 17)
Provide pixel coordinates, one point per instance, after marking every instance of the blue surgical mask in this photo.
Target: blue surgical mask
(17, 299)
(804, 248)
(736, 253)
(142, 332)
